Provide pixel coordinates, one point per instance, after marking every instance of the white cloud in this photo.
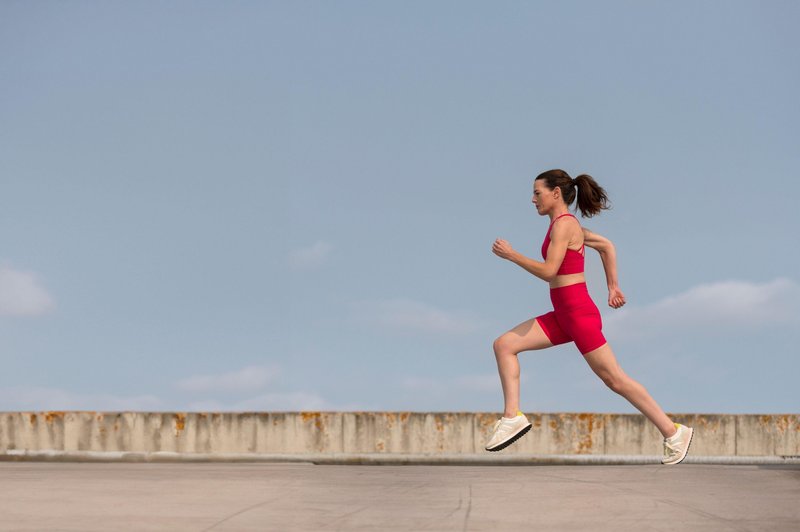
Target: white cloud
(244, 380)
(39, 398)
(22, 294)
(710, 307)
(16, 399)
(248, 380)
(310, 257)
(488, 382)
(408, 315)
(284, 401)
(279, 401)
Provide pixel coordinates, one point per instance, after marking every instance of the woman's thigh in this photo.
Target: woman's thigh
(526, 336)
(605, 365)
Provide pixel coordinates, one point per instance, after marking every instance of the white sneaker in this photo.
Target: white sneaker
(676, 447)
(508, 430)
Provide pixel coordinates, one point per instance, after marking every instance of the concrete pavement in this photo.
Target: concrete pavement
(263, 496)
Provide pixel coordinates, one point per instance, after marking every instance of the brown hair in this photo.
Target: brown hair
(591, 196)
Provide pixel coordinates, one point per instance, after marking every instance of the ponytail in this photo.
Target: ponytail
(591, 196)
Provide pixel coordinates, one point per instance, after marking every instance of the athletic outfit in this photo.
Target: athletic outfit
(575, 317)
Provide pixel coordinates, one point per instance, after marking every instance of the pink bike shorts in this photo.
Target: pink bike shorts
(574, 318)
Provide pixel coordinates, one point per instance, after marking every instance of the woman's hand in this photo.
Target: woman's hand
(616, 298)
(502, 249)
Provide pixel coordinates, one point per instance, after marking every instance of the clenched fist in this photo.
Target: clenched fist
(502, 249)
(616, 298)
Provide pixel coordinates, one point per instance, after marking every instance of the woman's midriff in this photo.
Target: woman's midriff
(566, 280)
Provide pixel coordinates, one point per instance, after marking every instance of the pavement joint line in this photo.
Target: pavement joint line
(51, 455)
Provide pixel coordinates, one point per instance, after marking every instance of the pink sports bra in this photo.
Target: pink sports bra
(573, 260)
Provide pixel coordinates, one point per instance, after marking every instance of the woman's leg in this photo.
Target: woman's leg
(604, 364)
(526, 336)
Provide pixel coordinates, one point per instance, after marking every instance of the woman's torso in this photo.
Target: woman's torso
(574, 257)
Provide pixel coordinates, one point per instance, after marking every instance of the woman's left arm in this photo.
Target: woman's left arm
(608, 255)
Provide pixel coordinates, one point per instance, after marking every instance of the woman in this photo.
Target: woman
(574, 316)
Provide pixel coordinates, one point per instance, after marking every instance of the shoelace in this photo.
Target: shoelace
(497, 426)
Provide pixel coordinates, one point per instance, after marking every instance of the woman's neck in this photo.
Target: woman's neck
(558, 212)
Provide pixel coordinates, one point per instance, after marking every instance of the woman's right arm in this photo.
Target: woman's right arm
(608, 255)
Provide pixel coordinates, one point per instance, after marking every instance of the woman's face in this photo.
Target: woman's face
(543, 197)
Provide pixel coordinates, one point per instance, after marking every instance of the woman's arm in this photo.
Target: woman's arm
(540, 269)
(547, 270)
(608, 255)
(503, 249)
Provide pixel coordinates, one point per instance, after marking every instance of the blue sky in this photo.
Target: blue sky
(291, 205)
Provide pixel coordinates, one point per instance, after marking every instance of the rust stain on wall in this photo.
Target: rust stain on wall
(781, 422)
(315, 416)
(708, 423)
(180, 423)
(784, 422)
(486, 420)
(50, 416)
(586, 425)
(33, 419)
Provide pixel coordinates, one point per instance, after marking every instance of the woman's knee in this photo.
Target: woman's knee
(618, 382)
(503, 345)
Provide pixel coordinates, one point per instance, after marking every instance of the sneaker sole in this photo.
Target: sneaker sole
(512, 439)
(691, 435)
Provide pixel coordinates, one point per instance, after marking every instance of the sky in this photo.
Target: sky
(282, 206)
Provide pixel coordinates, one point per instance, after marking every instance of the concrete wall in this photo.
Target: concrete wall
(387, 432)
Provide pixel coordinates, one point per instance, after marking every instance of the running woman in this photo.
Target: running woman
(574, 317)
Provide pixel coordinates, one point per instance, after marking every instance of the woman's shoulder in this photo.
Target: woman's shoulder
(567, 219)
(566, 225)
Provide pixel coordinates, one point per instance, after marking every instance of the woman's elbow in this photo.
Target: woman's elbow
(606, 248)
(550, 275)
